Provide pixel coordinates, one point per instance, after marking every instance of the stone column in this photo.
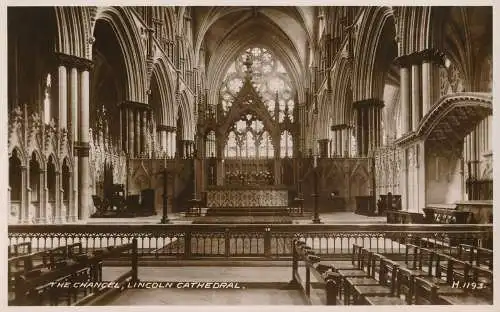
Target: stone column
(84, 173)
(131, 132)
(426, 86)
(403, 182)
(363, 131)
(323, 148)
(370, 128)
(431, 59)
(347, 139)
(137, 134)
(405, 95)
(338, 134)
(334, 142)
(75, 135)
(63, 97)
(173, 143)
(415, 99)
(163, 135)
(144, 131)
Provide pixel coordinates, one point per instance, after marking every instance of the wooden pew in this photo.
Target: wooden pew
(19, 249)
(384, 293)
(477, 256)
(425, 292)
(38, 289)
(324, 274)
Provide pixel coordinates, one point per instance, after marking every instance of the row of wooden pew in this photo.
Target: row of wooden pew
(36, 278)
(423, 276)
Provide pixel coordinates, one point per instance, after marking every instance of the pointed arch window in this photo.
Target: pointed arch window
(210, 147)
(269, 77)
(248, 138)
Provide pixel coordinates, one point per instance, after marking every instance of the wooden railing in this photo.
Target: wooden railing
(257, 241)
(404, 217)
(445, 216)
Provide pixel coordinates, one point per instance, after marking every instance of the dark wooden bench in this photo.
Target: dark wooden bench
(19, 249)
(37, 287)
(404, 217)
(384, 292)
(323, 273)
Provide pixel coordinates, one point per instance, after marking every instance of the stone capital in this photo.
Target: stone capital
(339, 127)
(71, 61)
(432, 55)
(368, 103)
(82, 149)
(135, 105)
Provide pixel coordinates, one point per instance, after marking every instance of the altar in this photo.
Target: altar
(247, 197)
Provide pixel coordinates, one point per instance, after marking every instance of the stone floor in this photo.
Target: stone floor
(273, 294)
(178, 218)
(132, 297)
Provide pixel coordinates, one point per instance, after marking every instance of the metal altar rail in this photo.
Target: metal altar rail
(249, 241)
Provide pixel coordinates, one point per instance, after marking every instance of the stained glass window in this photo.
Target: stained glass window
(269, 78)
(248, 138)
(210, 149)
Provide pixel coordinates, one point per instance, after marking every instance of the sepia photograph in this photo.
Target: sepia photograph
(249, 155)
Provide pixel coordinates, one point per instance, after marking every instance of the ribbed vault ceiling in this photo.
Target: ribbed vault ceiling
(226, 31)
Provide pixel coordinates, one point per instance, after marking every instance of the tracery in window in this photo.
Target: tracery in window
(269, 77)
(210, 145)
(248, 138)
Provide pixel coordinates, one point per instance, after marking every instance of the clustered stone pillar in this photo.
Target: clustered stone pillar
(84, 147)
(323, 148)
(167, 138)
(340, 139)
(418, 76)
(405, 94)
(136, 118)
(76, 138)
(63, 96)
(162, 131)
(187, 149)
(76, 89)
(368, 125)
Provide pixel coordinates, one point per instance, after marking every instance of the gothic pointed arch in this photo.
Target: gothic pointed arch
(164, 81)
(374, 45)
(130, 37)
